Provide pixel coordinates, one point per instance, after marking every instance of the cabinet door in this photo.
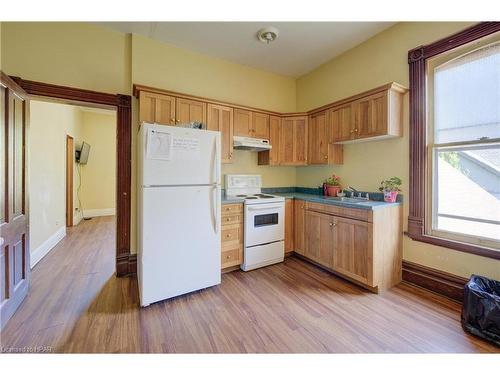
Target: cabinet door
(298, 213)
(318, 139)
(371, 116)
(353, 249)
(220, 118)
(242, 122)
(300, 140)
(320, 238)
(260, 125)
(273, 156)
(190, 110)
(287, 152)
(156, 108)
(289, 219)
(341, 124)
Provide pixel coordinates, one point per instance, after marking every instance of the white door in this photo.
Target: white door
(178, 156)
(179, 243)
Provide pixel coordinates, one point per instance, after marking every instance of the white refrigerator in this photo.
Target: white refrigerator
(178, 211)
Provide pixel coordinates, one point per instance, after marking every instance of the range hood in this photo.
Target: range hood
(251, 144)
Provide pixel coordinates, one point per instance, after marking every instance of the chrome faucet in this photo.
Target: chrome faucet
(354, 191)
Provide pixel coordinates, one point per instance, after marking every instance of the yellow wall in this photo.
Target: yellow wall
(49, 125)
(88, 56)
(379, 60)
(98, 190)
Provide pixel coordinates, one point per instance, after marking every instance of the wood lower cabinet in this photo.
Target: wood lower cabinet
(289, 225)
(363, 246)
(319, 238)
(353, 249)
(231, 235)
(220, 118)
(299, 209)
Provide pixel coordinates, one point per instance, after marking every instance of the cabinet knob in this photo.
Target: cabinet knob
(228, 256)
(331, 224)
(228, 235)
(172, 119)
(326, 157)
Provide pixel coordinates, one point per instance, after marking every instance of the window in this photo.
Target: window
(454, 189)
(463, 145)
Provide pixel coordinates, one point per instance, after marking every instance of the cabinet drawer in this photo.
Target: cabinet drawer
(352, 213)
(231, 234)
(231, 257)
(231, 209)
(231, 219)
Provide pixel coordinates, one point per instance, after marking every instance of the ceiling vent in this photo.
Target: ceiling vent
(267, 34)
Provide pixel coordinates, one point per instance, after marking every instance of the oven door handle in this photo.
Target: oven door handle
(264, 208)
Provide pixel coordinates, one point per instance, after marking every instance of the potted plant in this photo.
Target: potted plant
(333, 185)
(390, 188)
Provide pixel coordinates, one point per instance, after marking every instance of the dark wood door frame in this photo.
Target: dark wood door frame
(125, 261)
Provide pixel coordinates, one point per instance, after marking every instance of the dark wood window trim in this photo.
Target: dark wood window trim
(417, 59)
(125, 261)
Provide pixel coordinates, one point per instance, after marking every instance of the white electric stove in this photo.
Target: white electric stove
(264, 216)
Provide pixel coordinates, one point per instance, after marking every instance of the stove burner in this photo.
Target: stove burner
(250, 197)
(263, 196)
(241, 195)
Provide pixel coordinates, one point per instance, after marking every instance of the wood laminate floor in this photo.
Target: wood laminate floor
(76, 304)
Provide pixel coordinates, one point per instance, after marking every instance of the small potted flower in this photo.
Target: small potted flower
(390, 188)
(333, 185)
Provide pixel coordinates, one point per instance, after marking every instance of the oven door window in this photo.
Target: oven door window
(265, 220)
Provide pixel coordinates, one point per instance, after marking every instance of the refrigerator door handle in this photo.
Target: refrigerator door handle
(215, 162)
(215, 209)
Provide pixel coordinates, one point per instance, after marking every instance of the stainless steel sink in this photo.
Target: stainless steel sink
(348, 200)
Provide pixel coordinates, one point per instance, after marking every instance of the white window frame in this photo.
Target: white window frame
(433, 148)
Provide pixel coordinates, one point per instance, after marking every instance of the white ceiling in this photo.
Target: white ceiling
(300, 47)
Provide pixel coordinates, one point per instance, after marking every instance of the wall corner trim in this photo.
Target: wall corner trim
(46, 246)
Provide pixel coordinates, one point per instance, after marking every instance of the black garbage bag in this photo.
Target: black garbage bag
(481, 308)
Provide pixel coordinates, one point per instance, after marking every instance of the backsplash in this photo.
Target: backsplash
(374, 195)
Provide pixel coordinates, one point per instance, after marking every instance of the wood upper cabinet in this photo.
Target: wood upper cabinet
(353, 249)
(156, 108)
(251, 124)
(273, 156)
(299, 209)
(293, 147)
(220, 118)
(260, 125)
(318, 140)
(289, 225)
(187, 110)
(377, 115)
(322, 149)
(242, 122)
(341, 123)
(319, 234)
(370, 116)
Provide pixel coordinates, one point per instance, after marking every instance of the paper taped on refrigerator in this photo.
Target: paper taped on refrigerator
(159, 145)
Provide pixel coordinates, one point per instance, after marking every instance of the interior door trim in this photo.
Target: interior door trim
(125, 261)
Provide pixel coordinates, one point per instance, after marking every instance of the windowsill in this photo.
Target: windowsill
(455, 245)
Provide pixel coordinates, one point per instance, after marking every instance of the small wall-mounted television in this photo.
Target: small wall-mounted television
(82, 155)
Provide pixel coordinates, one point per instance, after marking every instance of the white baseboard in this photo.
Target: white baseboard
(77, 217)
(99, 212)
(48, 245)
